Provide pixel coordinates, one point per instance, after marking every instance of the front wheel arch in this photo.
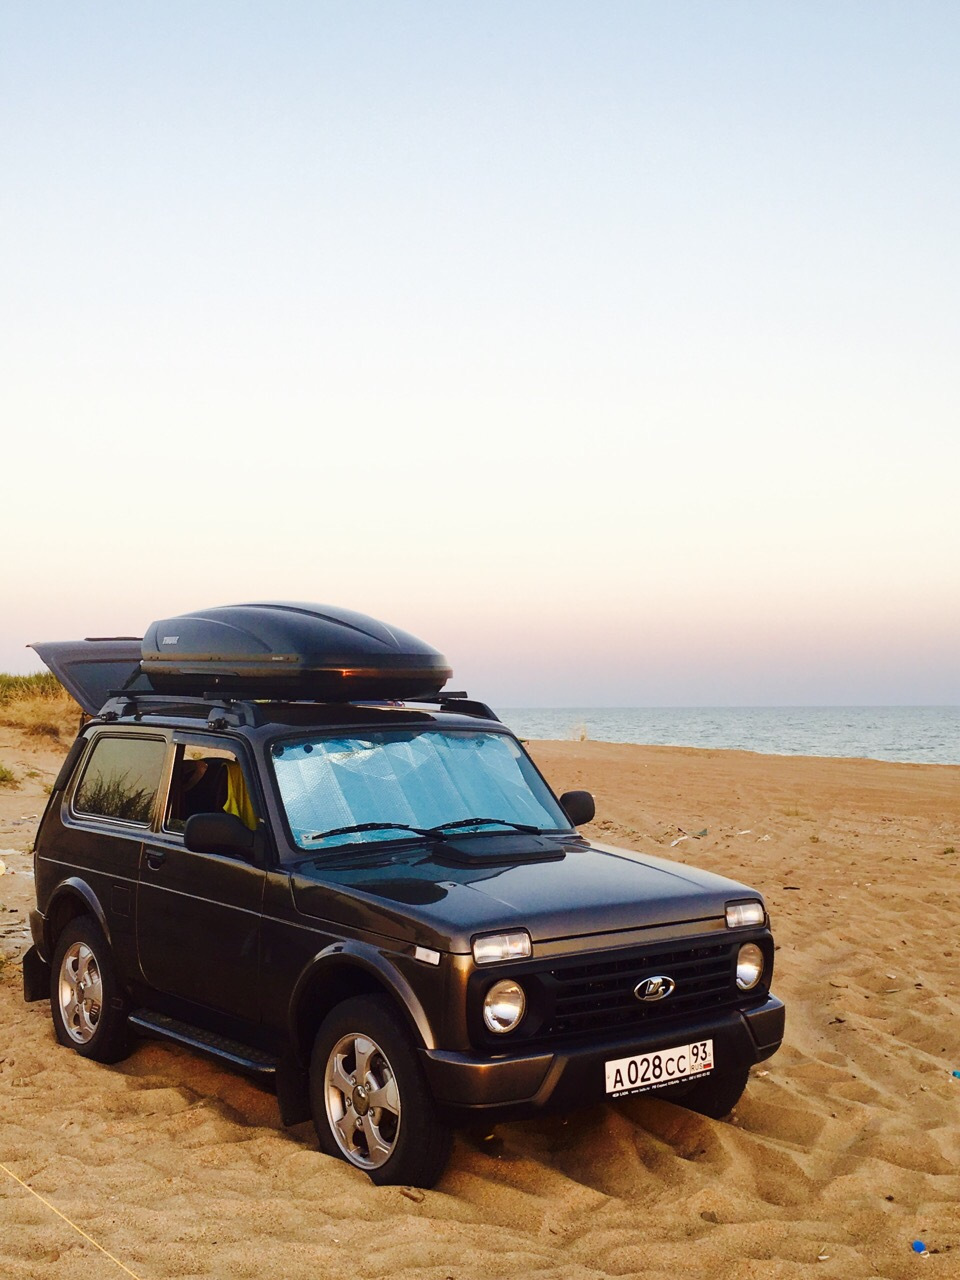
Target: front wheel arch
(337, 976)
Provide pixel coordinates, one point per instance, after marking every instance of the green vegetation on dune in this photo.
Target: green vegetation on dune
(40, 685)
(39, 706)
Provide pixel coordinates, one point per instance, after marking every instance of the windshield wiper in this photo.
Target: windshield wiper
(375, 826)
(437, 832)
(479, 822)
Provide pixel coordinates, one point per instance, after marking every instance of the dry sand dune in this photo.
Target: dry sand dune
(844, 1150)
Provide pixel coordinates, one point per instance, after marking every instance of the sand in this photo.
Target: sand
(844, 1149)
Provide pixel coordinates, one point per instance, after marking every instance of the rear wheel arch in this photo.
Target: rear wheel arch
(72, 898)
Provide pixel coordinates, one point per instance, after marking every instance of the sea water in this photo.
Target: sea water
(924, 735)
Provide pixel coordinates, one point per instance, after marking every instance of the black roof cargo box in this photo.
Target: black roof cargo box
(286, 650)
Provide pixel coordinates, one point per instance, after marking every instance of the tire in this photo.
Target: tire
(369, 1097)
(88, 1004)
(718, 1093)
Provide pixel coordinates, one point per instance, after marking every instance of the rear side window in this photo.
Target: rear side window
(121, 779)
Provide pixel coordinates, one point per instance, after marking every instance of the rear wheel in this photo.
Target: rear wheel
(87, 1002)
(370, 1101)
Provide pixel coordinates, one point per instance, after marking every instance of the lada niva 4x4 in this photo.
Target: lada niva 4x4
(277, 842)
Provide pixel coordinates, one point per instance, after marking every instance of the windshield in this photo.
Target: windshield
(400, 783)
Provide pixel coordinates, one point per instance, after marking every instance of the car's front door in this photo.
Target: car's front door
(198, 914)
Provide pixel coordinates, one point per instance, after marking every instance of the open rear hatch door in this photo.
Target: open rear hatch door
(90, 670)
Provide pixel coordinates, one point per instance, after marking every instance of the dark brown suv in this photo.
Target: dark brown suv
(380, 906)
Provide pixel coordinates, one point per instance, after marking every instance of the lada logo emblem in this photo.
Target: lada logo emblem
(657, 988)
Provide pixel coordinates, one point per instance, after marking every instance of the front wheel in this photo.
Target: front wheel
(370, 1101)
(88, 1004)
(717, 1093)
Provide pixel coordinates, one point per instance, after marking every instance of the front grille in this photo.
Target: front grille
(600, 996)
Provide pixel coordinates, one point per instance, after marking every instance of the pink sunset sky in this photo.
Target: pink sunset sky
(611, 351)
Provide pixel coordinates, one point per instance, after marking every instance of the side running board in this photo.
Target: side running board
(240, 1056)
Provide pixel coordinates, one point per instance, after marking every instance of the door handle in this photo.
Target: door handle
(155, 859)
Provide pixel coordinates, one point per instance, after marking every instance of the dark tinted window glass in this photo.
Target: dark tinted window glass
(121, 779)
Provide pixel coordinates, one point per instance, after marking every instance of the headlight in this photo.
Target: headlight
(749, 966)
(503, 1006)
(741, 913)
(502, 946)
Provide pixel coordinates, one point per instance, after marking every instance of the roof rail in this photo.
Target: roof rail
(221, 711)
(460, 703)
(129, 704)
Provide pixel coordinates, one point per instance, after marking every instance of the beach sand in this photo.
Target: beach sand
(844, 1149)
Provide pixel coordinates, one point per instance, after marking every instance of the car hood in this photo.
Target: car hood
(444, 895)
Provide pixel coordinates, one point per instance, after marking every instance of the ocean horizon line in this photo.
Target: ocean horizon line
(732, 706)
(915, 734)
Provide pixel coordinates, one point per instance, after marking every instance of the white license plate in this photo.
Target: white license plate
(653, 1070)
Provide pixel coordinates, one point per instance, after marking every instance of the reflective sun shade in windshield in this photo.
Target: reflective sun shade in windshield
(418, 779)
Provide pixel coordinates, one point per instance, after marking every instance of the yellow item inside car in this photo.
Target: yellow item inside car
(238, 798)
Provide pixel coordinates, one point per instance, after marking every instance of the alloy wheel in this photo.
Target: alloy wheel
(81, 992)
(362, 1101)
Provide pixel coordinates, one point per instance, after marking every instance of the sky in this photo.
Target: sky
(610, 348)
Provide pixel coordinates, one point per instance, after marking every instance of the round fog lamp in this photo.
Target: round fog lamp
(749, 966)
(503, 1006)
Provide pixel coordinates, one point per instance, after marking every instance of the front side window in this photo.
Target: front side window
(411, 778)
(121, 779)
(207, 779)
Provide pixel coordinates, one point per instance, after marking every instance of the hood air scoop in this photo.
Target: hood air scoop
(507, 850)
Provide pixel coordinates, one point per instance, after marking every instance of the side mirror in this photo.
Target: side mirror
(218, 833)
(579, 807)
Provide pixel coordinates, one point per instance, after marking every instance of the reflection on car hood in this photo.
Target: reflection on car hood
(422, 894)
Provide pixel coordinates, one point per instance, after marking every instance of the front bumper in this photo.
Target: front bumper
(571, 1076)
